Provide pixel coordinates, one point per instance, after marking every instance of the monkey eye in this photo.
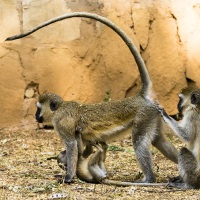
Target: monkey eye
(195, 98)
(53, 105)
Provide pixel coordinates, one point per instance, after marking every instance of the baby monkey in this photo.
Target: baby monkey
(91, 165)
(189, 131)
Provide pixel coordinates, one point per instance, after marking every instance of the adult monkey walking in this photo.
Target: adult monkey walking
(107, 121)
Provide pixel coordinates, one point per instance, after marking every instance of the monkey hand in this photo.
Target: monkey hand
(162, 111)
(158, 106)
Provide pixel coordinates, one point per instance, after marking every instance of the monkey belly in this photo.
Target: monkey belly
(110, 134)
(82, 171)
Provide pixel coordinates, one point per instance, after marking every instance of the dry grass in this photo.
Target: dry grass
(25, 172)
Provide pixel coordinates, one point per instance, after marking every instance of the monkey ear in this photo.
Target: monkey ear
(53, 105)
(195, 98)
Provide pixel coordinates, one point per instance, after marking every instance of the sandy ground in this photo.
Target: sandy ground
(25, 172)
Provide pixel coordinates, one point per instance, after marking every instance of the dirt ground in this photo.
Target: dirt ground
(25, 172)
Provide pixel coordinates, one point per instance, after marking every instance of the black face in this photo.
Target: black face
(37, 115)
(179, 106)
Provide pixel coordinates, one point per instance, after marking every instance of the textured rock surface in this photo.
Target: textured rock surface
(81, 59)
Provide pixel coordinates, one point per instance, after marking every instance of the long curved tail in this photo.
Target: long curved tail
(146, 81)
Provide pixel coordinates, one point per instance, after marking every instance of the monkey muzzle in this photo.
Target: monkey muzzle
(179, 106)
(38, 116)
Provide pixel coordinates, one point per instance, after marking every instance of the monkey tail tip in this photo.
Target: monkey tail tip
(9, 39)
(12, 38)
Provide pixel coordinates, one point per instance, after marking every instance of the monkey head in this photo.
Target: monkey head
(189, 99)
(47, 104)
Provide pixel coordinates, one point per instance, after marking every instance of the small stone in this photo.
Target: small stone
(29, 93)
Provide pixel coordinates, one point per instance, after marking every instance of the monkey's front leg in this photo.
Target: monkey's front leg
(72, 157)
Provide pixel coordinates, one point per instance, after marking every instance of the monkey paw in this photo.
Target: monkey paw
(162, 111)
(176, 182)
(68, 179)
(64, 179)
(177, 179)
(159, 107)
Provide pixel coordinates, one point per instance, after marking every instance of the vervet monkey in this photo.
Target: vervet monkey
(107, 121)
(91, 168)
(189, 131)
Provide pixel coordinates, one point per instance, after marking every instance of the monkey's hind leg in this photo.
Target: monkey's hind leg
(143, 156)
(176, 179)
(188, 168)
(103, 157)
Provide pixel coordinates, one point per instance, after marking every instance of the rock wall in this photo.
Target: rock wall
(83, 60)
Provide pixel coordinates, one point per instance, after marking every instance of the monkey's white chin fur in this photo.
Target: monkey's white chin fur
(39, 105)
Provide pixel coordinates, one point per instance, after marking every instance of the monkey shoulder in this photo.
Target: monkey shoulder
(68, 108)
(66, 114)
(70, 104)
